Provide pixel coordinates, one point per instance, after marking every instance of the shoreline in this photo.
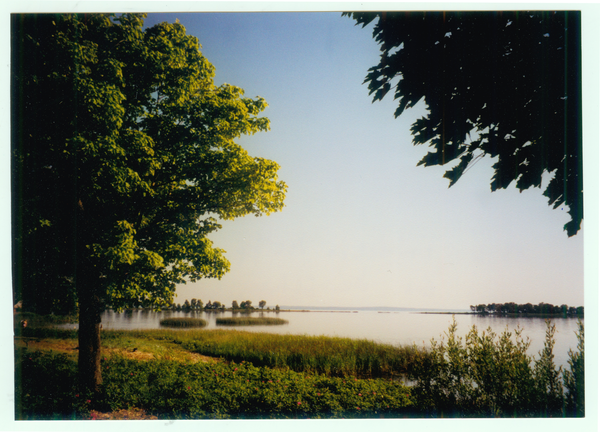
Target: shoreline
(506, 315)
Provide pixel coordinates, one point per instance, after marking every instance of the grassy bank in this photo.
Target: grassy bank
(332, 356)
(236, 374)
(168, 389)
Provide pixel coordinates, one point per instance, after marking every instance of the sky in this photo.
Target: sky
(363, 225)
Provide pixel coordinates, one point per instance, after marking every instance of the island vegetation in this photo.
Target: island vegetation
(183, 322)
(544, 310)
(217, 306)
(244, 321)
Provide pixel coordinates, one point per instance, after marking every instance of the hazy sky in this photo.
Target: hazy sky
(363, 225)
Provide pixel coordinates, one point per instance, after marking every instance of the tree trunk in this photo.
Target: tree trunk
(90, 372)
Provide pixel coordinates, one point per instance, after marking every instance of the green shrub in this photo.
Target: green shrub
(574, 378)
(176, 390)
(490, 376)
(46, 387)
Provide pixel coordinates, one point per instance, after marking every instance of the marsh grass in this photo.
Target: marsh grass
(246, 320)
(183, 322)
(332, 356)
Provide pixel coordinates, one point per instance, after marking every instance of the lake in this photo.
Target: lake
(390, 327)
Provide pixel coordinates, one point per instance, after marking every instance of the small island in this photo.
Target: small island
(217, 306)
(243, 321)
(541, 310)
(183, 322)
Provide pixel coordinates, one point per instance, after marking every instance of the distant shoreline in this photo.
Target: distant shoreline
(507, 315)
(307, 310)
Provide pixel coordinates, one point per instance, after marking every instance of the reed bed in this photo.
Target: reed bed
(243, 321)
(183, 322)
(332, 356)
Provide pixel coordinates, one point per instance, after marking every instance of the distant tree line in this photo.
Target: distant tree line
(527, 308)
(195, 304)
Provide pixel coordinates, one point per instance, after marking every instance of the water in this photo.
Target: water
(395, 327)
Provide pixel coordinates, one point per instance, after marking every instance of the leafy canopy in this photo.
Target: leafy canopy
(124, 158)
(503, 84)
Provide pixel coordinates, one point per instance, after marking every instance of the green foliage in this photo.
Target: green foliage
(486, 376)
(175, 390)
(490, 376)
(183, 322)
(46, 387)
(246, 305)
(237, 321)
(124, 155)
(541, 310)
(507, 85)
(574, 378)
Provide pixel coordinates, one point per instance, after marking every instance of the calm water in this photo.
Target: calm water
(396, 328)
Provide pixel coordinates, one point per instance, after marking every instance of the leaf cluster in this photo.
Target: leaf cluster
(502, 84)
(124, 156)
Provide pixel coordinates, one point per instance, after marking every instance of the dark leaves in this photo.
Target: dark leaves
(510, 79)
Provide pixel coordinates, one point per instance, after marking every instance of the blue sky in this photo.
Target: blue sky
(363, 225)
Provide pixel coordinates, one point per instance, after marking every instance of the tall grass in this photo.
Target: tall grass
(332, 356)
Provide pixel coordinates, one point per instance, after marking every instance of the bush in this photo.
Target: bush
(175, 390)
(574, 379)
(46, 387)
(492, 376)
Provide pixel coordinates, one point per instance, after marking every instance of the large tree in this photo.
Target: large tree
(124, 159)
(503, 84)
